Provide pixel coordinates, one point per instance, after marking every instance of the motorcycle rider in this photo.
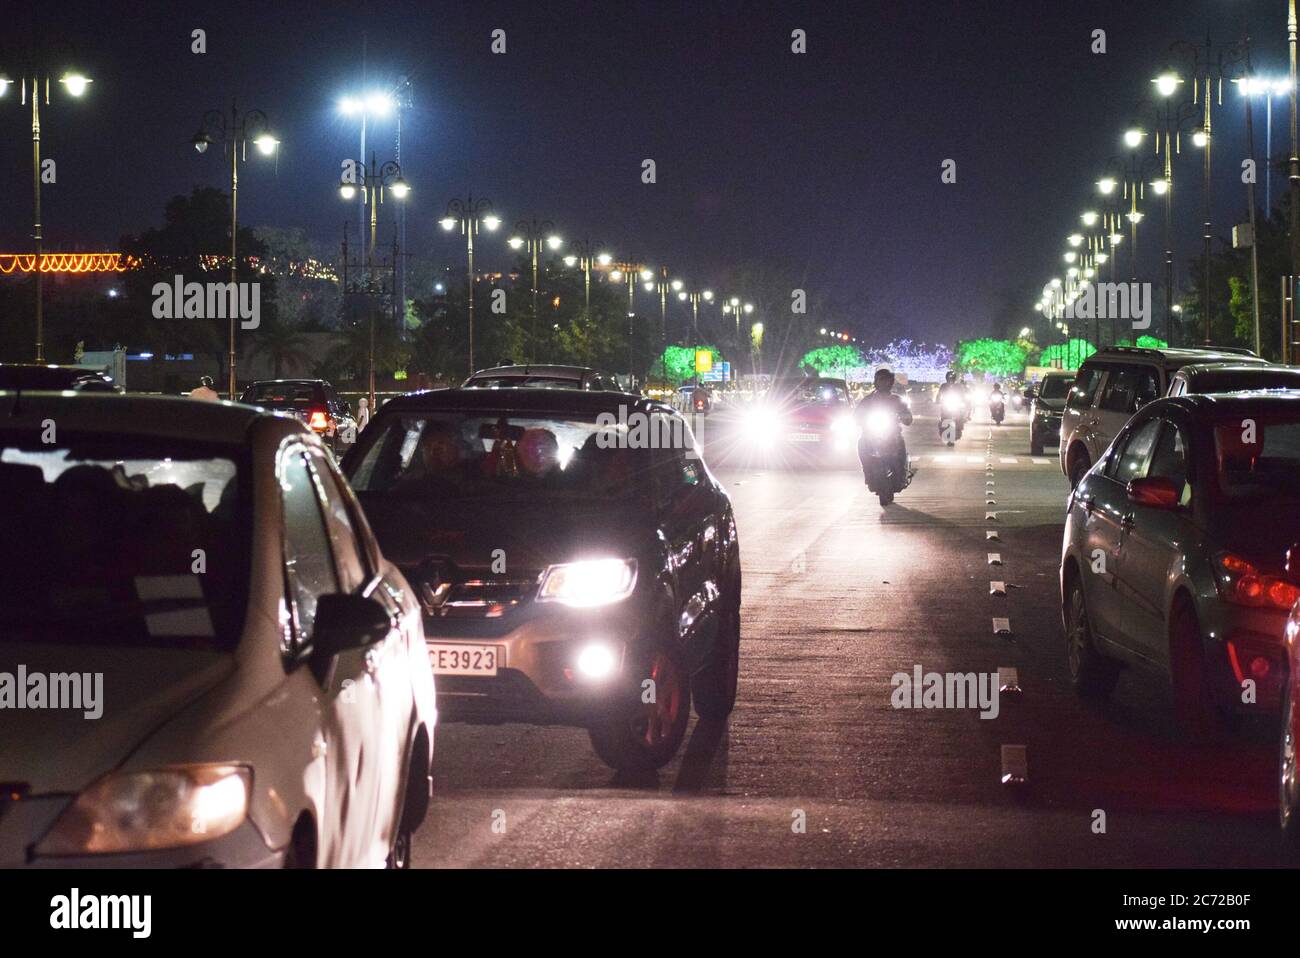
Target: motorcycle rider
(882, 400)
(952, 385)
(997, 402)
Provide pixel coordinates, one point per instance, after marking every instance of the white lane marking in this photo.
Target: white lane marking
(974, 459)
(997, 587)
(1009, 460)
(1015, 765)
(1001, 626)
(991, 535)
(1040, 462)
(995, 558)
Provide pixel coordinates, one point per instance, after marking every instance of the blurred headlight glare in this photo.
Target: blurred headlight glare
(591, 583)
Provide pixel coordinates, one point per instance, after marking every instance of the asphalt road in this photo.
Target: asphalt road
(839, 595)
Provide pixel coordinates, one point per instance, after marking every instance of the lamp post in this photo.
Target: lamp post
(75, 85)
(694, 297)
(633, 275)
(529, 236)
(663, 285)
(735, 307)
(583, 258)
(468, 214)
(373, 180)
(234, 132)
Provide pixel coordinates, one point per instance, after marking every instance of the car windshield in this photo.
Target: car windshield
(809, 390)
(1258, 454)
(458, 455)
(289, 394)
(1055, 387)
(121, 542)
(1226, 381)
(531, 382)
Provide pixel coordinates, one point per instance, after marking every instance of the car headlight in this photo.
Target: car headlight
(591, 583)
(843, 426)
(145, 811)
(761, 424)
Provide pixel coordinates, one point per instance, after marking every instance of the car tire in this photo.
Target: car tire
(714, 687)
(1092, 674)
(1200, 715)
(1080, 463)
(1035, 446)
(646, 736)
(1288, 790)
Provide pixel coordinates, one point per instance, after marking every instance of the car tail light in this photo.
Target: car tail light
(1241, 582)
(319, 420)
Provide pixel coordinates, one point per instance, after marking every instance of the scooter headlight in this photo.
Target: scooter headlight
(880, 424)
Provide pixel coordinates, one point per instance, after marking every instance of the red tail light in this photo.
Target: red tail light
(319, 420)
(1239, 581)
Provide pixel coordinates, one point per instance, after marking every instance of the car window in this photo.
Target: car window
(1054, 387)
(308, 564)
(1085, 387)
(348, 553)
(1129, 388)
(1169, 461)
(1133, 455)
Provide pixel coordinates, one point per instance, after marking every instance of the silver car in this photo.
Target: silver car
(217, 665)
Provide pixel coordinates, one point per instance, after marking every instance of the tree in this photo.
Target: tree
(281, 343)
(997, 357)
(832, 360)
(1068, 355)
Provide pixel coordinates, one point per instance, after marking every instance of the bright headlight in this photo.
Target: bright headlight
(880, 423)
(843, 426)
(952, 403)
(144, 811)
(590, 583)
(761, 424)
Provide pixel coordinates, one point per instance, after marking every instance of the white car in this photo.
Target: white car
(204, 657)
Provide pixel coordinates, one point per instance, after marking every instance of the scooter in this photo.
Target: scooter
(997, 408)
(951, 418)
(880, 448)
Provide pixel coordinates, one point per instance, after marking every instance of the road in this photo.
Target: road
(838, 596)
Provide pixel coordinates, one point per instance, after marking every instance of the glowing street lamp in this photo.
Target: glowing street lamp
(530, 235)
(234, 132)
(469, 214)
(583, 258)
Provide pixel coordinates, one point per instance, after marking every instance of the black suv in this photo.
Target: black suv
(315, 402)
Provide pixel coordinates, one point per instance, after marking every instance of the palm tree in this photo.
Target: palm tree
(280, 343)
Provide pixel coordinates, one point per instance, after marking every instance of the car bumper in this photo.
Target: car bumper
(1047, 430)
(538, 678)
(1249, 644)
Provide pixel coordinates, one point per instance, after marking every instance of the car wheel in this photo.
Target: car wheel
(1092, 674)
(1080, 463)
(1199, 714)
(302, 847)
(1288, 790)
(1035, 446)
(714, 687)
(646, 736)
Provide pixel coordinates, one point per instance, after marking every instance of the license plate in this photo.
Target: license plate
(449, 659)
(803, 437)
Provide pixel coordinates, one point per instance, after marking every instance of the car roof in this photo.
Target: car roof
(577, 372)
(1253, 400)
(1198, 368)
(277, 382)
(1178, 356)
(524, 400)
(169, 417)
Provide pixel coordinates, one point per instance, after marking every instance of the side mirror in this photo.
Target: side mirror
(1155, 491)
(346, 622)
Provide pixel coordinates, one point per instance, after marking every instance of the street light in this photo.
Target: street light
(374, 179)
(468, 214)
(75, 85)
(633, 274)
(234, 132)
(530, 235)
(583, 259)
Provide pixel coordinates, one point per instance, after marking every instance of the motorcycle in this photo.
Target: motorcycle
(997, 408)
(952, 417)
(881, 448)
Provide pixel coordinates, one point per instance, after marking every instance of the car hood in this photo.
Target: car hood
(533, 533)
(1051, 405)
(60, 750)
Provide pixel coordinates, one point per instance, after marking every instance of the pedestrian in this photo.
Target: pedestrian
(363, 413)
(205, 390)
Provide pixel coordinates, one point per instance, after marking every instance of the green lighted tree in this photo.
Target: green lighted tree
(1068, 355)
(1145, 342)
(678, 362)
(998, 357)
(826, 359)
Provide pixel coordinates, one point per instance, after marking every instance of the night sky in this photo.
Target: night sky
(826, 163)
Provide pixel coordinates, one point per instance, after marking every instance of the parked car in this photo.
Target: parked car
(562, 565)
(1175, 552)
(265, 693)
(315, 402)
(542, 377)
(1114, 383)
(1046, 407)
(34, 376)
(1232, 377)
